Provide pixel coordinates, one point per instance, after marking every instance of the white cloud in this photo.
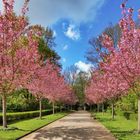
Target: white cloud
(72, 32)
(64, 60)
(65, 47)
(83, 66)
(48, 12)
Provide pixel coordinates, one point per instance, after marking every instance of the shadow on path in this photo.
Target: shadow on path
(66, 133)
(76, 126)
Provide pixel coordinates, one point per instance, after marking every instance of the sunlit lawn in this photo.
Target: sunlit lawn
(27, 126)
(121, 128)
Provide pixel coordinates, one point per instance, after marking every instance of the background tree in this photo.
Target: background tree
(97, 51)
(79, 86)
(46, 44)
(77, 80)
(70, 74)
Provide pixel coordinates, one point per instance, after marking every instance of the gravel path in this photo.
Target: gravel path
(76, 126)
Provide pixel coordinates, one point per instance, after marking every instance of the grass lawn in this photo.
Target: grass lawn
(27, 126)
(121, 128)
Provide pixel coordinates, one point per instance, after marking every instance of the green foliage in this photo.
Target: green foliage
(22, 100)
(46, 42)
(48, 53)
(79, 86)
(24, 115)
(133, 116)
(127, 103)
(127, 114)
(46, 45)
(125, 106)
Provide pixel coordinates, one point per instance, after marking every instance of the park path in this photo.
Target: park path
(76, 126)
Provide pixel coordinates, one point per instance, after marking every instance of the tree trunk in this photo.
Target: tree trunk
(138, 114)
(71, 107)
(103, 108)
(90, 107)
(84, 107)
(53, 107)
(98, 107)
(40, 109)
(113, 113)
(60, 108)
(68, 107)
(4, 111)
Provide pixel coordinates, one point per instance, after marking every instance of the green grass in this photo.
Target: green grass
(16, 116)
(120, 127)
(27, 126)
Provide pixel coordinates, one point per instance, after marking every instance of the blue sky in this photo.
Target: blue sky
(74, 23)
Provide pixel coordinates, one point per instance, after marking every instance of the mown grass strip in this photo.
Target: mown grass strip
(121, 128)
(27, 126)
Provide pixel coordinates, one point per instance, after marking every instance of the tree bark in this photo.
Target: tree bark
(102, 108)
(84, 107)
(53, 107)
(90, 107)
(98, 107)
(138, 114)
(60, 108)
(113, 113)
(40, 109)
(71, 107)
(4, 111)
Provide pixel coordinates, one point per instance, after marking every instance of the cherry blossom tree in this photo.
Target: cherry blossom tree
(18, 51)
(47, 82)
(41, 84)
(37, 85)
(124, 61)
(59, 90)
(120, 68)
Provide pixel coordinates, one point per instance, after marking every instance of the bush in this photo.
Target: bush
(127, 114)
(109, 111)
(133, 116)
(119, 112)
(24, 115)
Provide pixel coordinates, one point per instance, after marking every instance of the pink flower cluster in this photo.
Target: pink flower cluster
(120, 69)
(47, 82)
(20, 65)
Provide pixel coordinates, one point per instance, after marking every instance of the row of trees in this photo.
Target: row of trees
(27, 60)
(77, 80)
(118, 70)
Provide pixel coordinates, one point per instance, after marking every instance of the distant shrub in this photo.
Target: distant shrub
(127, 114)
(133, 116)
(24, 115)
